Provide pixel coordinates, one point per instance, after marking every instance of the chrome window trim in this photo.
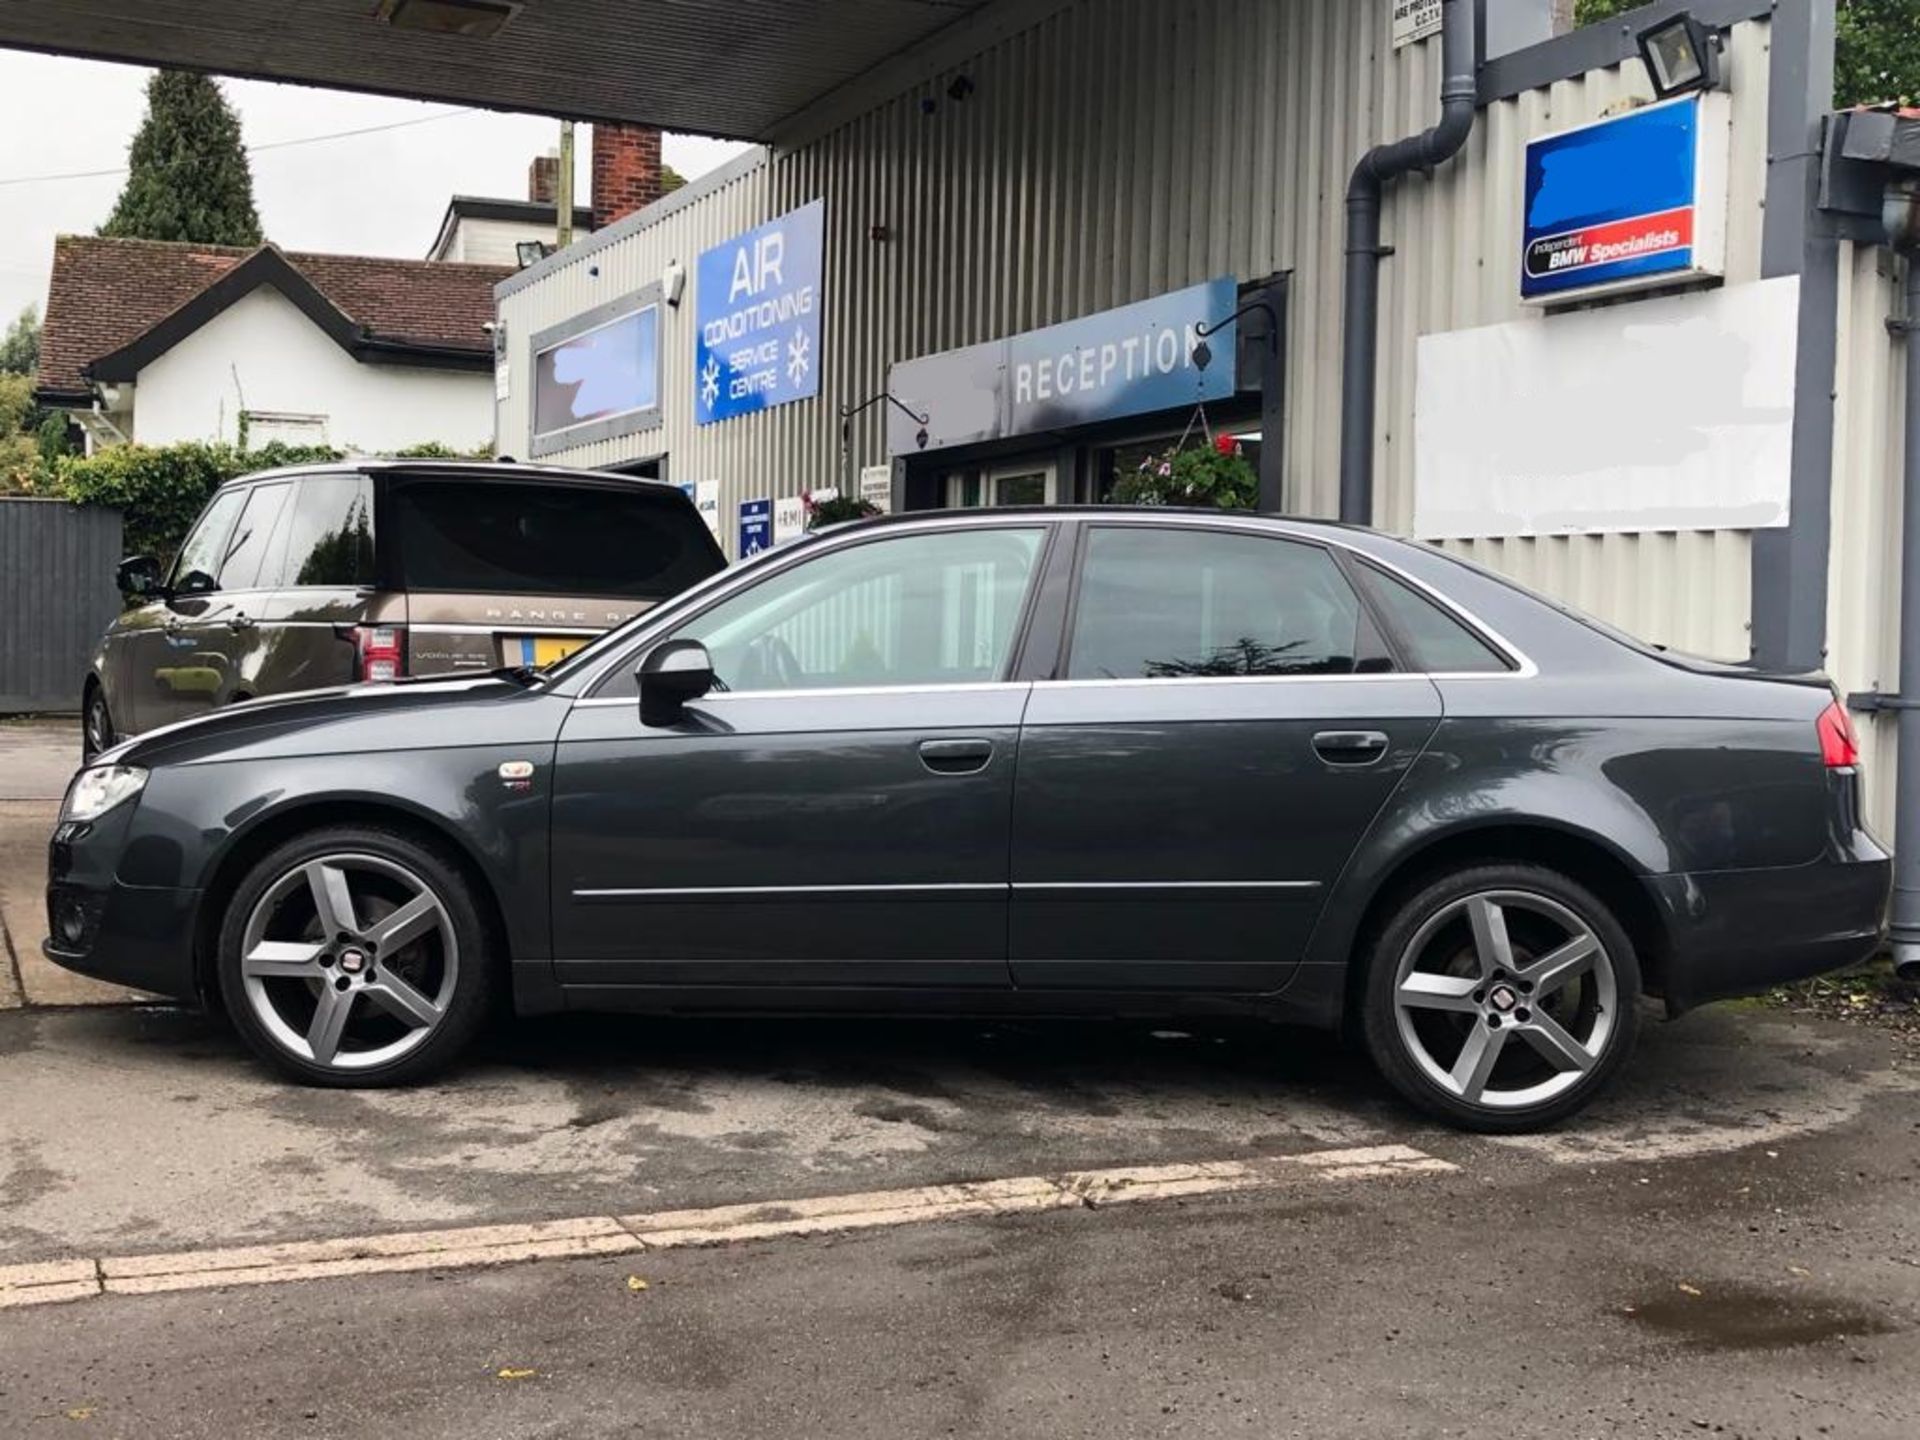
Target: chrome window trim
(682, 892)
(825, 692)
(1524, 667)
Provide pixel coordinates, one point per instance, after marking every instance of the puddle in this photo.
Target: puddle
(1737, 1319)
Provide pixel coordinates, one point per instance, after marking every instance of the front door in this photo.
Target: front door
(163, 671)
(1225, 731)
(838, 813)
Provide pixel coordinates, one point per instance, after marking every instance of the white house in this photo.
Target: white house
(486, 230)
(158, 342)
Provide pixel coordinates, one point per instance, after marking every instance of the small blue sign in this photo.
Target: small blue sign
(1614, 202)
(757, 311)
(756, 527)
(1130, 361)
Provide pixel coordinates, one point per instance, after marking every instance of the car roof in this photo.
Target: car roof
(501, 470)
(989, 515)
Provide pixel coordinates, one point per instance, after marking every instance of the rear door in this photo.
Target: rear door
(1224, 727)
(323, 558)
(523, 571)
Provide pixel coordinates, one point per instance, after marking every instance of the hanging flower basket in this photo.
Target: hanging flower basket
(1213, 477)
(833, 508)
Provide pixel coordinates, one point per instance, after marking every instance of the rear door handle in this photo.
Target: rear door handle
(1350, 747)
(955, 757)
(174, 625)
(240, 622)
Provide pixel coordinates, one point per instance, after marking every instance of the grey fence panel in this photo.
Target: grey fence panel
(56, 597)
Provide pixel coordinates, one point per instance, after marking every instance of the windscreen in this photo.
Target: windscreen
(549, 539)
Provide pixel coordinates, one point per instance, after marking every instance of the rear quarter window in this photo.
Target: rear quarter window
(548, 539)
(1435, 641)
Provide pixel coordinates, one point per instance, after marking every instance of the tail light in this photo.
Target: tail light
(380, 652)
(1839, 745)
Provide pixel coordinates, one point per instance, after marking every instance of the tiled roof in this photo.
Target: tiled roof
(107, 293)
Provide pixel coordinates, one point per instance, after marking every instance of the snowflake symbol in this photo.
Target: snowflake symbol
(797, 362)
(710, 381)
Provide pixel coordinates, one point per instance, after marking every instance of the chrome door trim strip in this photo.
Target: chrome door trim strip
(721, 891)
(1166, 885)
(507, 626)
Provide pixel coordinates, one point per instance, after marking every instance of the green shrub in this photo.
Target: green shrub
(1214, 476)
(161, 489)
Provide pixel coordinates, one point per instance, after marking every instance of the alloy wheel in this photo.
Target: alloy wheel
(349, 961)
(1506, 999)
(99, 726)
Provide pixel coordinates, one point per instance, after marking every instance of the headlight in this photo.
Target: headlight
(96, 791)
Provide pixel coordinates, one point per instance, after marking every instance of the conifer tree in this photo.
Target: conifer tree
(187, 176)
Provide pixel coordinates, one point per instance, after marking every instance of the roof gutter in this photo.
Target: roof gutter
(1359, 378)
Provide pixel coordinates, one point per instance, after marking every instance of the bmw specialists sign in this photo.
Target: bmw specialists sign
(1634, 201)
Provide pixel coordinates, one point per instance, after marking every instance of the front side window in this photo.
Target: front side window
(938, 609)
(1157, 603)
(328, 539)
(199, 558)
(248, 544)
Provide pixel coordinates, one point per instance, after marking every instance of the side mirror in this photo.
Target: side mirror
(672, 674)
(138, 576)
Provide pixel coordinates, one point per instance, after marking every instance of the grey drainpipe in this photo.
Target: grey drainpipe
(1902, 217)
(1362, 325)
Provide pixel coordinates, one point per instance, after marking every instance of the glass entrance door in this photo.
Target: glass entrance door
(1012, 484)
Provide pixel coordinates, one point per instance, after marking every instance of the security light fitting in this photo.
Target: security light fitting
(1681, 54)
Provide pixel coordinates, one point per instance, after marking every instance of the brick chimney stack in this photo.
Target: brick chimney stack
(626, 170)
(543, 179)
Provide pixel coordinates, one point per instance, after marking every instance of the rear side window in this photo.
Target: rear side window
(1434, 640)
(549, 539)
(1165, 604)
(248, 545)
(326, 535)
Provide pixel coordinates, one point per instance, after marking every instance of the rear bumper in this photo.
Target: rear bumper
(1740, 932)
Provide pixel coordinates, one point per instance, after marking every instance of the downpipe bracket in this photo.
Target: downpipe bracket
(1872, 702)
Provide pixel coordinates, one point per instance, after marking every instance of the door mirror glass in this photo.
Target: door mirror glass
(138, 577)
(671, 675)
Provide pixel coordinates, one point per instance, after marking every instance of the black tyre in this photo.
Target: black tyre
(96, 724)
(355, 956)
(1501, 998)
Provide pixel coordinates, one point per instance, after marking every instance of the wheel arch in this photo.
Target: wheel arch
(1579, 855)
(245, 847)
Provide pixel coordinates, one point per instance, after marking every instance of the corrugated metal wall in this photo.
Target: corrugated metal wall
(56, 598)
(1113, 151)
(1863, 578)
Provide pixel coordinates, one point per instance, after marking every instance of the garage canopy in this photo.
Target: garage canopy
(734, 68)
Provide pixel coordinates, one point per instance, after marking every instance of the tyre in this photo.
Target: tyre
(1501, 998)
(355, 956)
(96, 724)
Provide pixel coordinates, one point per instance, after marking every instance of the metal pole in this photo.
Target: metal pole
(1906, 796)
(563, 190)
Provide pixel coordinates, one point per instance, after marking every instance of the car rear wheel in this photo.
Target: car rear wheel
(355, 956)
(96, 724)
(1501, 998)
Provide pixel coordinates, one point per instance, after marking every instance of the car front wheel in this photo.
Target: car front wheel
(1501, 998)
(355, 956)
(96, 724)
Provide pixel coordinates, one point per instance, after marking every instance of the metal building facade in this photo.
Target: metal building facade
(1113, 150)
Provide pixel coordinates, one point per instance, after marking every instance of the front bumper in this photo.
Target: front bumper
(1741, 932)
(135, 935)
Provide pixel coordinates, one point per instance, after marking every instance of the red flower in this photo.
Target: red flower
(1225, 444)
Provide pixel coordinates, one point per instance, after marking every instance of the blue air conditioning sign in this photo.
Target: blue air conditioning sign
(1634, 201)
(757, 306)
(1130, 361)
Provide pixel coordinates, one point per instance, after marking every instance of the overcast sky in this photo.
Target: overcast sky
(377, 194)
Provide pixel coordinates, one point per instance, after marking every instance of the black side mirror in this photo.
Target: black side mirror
(672, 674)
(138, 576)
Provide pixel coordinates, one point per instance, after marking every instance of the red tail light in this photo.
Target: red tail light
(380, 651)
(1839, 746)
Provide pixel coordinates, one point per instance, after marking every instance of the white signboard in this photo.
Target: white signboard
(876, 487)
(1669, 414)
(789, 519)
(706, 499)
(1414, 20)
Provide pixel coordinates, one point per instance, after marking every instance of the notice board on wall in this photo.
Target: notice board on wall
(1668, 414)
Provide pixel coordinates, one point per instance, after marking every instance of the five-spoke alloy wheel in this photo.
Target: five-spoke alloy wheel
(354, 957)
(1501, 997)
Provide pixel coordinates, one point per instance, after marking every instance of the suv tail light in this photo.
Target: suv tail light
(1839, 745)
(380, 651)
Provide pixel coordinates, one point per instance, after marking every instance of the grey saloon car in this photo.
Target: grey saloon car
(1060, 761)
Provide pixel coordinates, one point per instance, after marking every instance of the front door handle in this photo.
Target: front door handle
(955, 757)
(1350, 747)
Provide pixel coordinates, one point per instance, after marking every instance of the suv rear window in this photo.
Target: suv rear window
(549, 538)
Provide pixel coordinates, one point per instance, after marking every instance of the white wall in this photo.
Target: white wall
(262, 354)
(491, 242)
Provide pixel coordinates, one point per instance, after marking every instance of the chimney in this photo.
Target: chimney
(626, 170)
(543, 178)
